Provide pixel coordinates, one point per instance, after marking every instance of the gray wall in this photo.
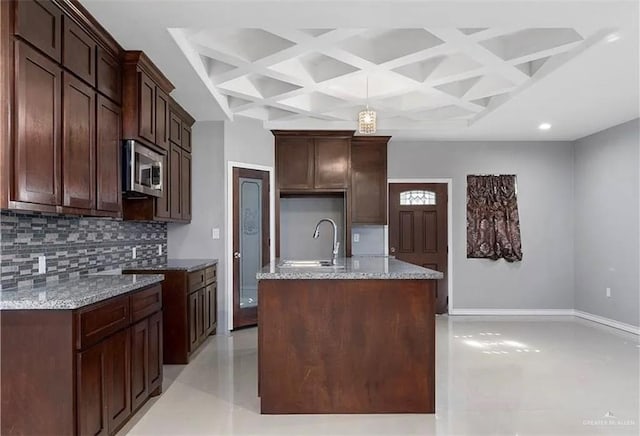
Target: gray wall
(298, 219)
(372, 240)
(544, 279)
(606, 223)
(195, 240)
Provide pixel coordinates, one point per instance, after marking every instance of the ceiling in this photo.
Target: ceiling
(469, 70)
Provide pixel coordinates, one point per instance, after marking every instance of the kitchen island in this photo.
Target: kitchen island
(358, 337)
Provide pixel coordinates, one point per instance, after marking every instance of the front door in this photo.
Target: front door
(418, 229)
(250, 241)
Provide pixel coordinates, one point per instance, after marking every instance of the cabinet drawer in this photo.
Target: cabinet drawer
(196, 280)
(146, 302)
(210, 275)
(100, 320)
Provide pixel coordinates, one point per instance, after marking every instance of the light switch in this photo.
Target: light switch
(215, 233)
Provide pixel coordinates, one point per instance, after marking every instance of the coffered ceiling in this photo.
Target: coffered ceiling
(417, 77)
(459, 70)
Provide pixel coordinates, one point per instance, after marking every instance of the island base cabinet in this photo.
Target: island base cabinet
(350, 346)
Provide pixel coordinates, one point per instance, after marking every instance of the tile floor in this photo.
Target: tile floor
(495, 376)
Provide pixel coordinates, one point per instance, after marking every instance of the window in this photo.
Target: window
(417, 198)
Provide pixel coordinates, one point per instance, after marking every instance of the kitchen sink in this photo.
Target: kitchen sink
(308, 264)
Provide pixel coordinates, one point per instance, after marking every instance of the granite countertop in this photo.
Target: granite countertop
(354, 268)
(74, 293)
(187, 265)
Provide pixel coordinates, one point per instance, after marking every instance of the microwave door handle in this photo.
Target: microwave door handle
(159, 185)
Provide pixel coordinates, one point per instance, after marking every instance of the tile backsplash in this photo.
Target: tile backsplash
(73, 246)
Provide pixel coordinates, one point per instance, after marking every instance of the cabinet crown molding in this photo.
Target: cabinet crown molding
(140, 60)
(315, 133)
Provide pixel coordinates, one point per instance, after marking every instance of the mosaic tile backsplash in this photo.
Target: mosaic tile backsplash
(73, 246)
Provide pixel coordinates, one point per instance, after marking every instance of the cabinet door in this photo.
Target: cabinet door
(185, 186)
(146, 108)
(117, 368)
(155, 351)
(109, 76)
(139, 363)
(78, 144)
(175, 180)
(163, 204)
(108, 157)
(91, 391)
(295, 163)
(194, 319)
(37, 126)
(204, 315)
(79, 52)
(211, 306)
(369, 182)
(185, 141)
(175, 128)
(332, 161)
(162, 119)
(40, 23)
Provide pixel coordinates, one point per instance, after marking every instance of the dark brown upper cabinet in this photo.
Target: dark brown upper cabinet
(37, 147)
(175, 128)
(145, 89)
(331, 163)
(185, 142)
(163, 205)
(180, 123)
(62, 153)
(175, 182)
(185, 186)
(78, 144)
(162, 119)
(313, 160)
(147, 108)
(295, 160)
(108, 156)
(40, 23)
(79, 53)
(369, 179)
(109, 76)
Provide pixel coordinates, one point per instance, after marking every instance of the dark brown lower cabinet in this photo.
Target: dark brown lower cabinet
(189, 313)
(82, 371)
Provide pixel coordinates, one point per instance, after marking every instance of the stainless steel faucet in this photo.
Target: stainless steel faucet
(336, 244)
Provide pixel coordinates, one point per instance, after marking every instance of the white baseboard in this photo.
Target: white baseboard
(608, 321)
(550, 312)
(521, 312)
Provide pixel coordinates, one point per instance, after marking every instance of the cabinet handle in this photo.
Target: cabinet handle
(236, 255)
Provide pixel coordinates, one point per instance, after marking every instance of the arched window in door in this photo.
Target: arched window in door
(417, 198)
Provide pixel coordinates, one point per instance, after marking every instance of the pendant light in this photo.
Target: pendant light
(367, 118)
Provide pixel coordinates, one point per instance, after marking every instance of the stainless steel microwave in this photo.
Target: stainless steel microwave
(142, 172)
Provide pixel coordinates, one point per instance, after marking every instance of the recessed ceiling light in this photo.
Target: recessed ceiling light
(544, 126)
(613, 37)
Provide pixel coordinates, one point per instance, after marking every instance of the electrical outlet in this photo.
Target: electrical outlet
(356, 237)
(215, 233)
(42, 264)
(608, 292)
(159, 249)
(134, 254)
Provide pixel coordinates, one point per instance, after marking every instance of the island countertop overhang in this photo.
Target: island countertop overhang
(351, 268)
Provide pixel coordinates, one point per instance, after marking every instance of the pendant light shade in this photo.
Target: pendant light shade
(367, 118)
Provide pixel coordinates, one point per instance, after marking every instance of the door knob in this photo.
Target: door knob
(393, 249)
(236, 255)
